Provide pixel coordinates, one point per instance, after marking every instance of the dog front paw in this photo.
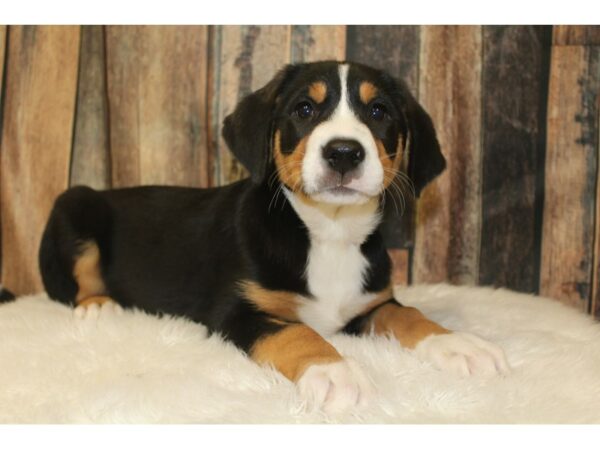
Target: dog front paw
(335, 387)
(463, 354)
(93, 307)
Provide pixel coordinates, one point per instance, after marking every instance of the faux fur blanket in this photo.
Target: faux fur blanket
(136, 368)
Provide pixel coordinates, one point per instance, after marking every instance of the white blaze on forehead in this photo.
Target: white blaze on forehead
(342, 124)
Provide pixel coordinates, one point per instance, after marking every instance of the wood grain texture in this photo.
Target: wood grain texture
(90, 160)
(448, 211)
(318, 42)
(570, 175)
(394, 49)
(156, 78)
(400, 266)
(3, 33)
(595, 303)
(515, 78)
(39, 109)
(576, 35)
(244, 59)
(3, 29)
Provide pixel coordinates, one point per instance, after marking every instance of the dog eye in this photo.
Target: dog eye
(304, 110)
(377, 111)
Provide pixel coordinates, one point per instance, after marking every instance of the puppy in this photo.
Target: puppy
(277, 262)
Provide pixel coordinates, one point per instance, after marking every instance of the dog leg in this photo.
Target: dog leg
(460, 353)
(324, 378)
(91, 299)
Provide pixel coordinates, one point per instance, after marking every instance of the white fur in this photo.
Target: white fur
(94, 310)
(137, 368)
(463, 354)
(336, 267)
(335, 387)
(343, 124)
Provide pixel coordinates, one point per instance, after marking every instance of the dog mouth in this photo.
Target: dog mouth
(342, 190)
(340, 194)
(347, 188)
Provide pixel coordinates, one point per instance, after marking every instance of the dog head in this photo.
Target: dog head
(336, 132)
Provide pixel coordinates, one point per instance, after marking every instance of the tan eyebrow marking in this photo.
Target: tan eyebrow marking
(367, 92)
(318, 91)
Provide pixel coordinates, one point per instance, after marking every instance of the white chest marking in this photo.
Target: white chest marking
(336, 267)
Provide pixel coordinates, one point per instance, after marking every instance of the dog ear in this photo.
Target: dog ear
(248, 130)
(425, 159)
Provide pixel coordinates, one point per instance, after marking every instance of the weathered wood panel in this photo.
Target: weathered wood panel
(39, 108)
(448, 212)
(571, 166)
(576, 35)
(318, 42)
(3, 29)
(90, 161)
(156, 77)
(595, 303)
(394, 49)
(244, 59)
(3, 33)
(515, 78)
(401, 265)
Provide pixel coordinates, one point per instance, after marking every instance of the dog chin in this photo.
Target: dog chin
(341, 196)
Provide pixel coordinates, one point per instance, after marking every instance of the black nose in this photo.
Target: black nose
(343, 155)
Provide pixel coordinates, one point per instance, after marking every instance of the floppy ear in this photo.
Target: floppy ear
(248, 130)
(425, 159)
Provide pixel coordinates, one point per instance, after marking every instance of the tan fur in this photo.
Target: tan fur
(382, 297)
(94, 300)
(391, 166)
(289, 166)
(87, 272)
(293, 349)
(318, 91)
(406, 324)
(281, 304)
(367, 92)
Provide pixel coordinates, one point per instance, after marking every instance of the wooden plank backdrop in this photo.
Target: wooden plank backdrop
(448, 214)
(37, 132)
(2, 54)
(516, 109)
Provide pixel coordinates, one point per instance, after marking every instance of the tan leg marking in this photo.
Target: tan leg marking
(87, 272)
(289, 166)
(293, 349)
(318, 91)
(281, 304)
(367, 92)
(406, 324)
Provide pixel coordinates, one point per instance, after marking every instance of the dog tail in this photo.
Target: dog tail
(6, 295)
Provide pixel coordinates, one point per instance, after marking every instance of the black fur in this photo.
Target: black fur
(358, 325)
(183, 251)
(6, 296)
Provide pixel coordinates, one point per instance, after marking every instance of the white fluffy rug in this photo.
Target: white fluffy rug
(136, 368)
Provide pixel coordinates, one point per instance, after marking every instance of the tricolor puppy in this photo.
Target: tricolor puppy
(277, 262)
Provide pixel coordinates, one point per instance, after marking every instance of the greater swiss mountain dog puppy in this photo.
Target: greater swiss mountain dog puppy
(277, 262)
